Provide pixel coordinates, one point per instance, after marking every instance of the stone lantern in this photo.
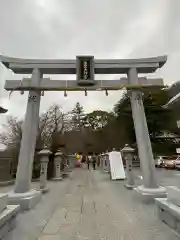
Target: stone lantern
(44, 159)
(57, 166)
(128, 154)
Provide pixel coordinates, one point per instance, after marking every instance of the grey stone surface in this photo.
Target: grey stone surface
(29, 224)
(90, 206)
(139, 220)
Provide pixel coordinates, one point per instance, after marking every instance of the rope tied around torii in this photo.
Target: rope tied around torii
(33, 86)
(46, 84)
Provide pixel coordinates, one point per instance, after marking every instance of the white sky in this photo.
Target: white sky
(103, 28)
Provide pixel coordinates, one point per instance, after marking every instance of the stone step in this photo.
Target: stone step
(3, 201)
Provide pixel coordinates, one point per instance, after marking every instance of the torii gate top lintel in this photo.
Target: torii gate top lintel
(68, 66)
(84, 67)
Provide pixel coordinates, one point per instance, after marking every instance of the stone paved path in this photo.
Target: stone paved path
(95, 208)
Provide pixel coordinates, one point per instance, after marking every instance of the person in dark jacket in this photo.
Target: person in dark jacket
(94, 161)
(88, 161)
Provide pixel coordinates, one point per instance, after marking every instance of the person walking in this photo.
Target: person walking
(94, 161)
(84, 157)
(88, 161)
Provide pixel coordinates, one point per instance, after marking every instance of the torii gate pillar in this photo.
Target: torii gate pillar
(22, 193)
(150, 188)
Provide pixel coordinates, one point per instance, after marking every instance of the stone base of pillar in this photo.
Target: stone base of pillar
(129, 187)
(44, 190)
(148, 194)
(26, 200)
(57, 179)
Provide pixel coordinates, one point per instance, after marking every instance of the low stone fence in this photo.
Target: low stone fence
(168, 209)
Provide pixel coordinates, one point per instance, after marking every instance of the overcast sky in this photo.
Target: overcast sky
(103, 28)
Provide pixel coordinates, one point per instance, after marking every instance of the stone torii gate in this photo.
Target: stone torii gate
(84, 67)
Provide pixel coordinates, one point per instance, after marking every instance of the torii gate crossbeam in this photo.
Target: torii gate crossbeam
(46, 84)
